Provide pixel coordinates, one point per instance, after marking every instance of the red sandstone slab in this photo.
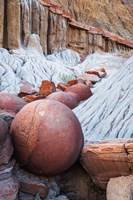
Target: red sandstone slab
(76, 24)
(93, 30)
(104, 148)
(56, 9)
(108, 159)
(45, 3)
(67, 14)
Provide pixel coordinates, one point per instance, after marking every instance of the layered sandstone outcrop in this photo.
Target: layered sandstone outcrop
(115, 15)
(62, 25)
(108, 159)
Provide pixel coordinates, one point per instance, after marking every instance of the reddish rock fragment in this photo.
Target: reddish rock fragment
(46, 88)
(103, 70)
(50, 138)
(34, 97)
(10, 102)
(63, 86)
(26, 89)
(64, 98)
(72, 82)
(83, 91)
(92, 72)
(75, 81)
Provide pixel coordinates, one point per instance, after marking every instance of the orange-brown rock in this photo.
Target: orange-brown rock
(50, 138)
(83, 91)
(33, 97)
(64, 98)
(26, 89)
(10, 102)
(62, 86)
(46, 88)
(108, 159)
(75, 81)
(103, 70)
(72, 82)
(92, 72)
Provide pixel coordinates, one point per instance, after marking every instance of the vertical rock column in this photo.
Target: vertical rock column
(13, 13)
(61, 34)
(98, 42)
(43, 27)
(78, 40)
(90, 42)
(26, 9)
(52, 30)
(2, 7)
(57, 32)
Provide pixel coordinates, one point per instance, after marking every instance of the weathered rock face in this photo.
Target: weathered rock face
(1, 22)
(120, 188)
(112, 15)
(129, 5)
(108, 159)
(65, 24)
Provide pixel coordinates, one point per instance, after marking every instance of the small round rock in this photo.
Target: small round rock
(64, 98)
(83, 91)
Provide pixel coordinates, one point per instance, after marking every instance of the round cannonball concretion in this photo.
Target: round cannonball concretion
(47, 137)
(64, 98)
(83, 91)
(10, 102)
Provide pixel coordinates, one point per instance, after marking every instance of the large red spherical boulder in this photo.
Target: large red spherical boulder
(64, 98)
(10, 102)
(47, 137)
(83, 91)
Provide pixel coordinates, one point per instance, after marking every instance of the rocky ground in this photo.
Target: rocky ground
(106, 114)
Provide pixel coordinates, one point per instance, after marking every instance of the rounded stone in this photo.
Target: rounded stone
(83, 91)
(64, 98)
(10, 102)
(3, 131)
(47, 137)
